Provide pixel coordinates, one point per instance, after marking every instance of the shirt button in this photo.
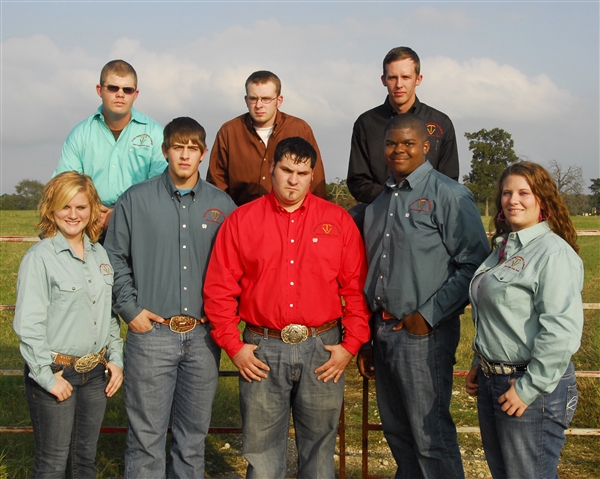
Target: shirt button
(395, 194)
(184, 246)
(407, 215)
(381, 277)
(185, 226)
(94, 323)
(185, 267)
(93, 302)
(291, 241)
(185, 288)
(385, 256)
(183, 206)
(391, 214)
(89, 280)
(292, 221)
(378, 298)
(263, 177)
(387, 234)
(73, 288)
(292, 283)
(291, 305)
(185, 309)
(292, 261)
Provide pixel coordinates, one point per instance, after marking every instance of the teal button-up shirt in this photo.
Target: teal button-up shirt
(424, 240)
(113, 165)
(64, 306)
(528, 309)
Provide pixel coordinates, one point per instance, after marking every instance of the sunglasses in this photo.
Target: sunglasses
(128, 90)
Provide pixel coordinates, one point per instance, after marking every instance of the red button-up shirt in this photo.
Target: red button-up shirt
(272, 268)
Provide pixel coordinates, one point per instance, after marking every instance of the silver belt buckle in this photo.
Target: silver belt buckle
(485, 367)
(294, 333)
(88, 362)
(182, 324)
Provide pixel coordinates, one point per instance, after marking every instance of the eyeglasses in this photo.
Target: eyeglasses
(128, 90)
(264, 100)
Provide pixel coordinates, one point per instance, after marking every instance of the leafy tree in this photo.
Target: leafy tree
(27, 196)
(569, 181)
(595, 196)
(339, 194)
(492, 153)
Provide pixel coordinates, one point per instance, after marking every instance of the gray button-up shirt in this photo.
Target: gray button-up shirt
(159, 243)
(424, 240)
(64, 306)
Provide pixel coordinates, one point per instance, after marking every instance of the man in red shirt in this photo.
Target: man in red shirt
(282, 264)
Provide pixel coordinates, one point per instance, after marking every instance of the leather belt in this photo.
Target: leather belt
(83, 364)
(181, 323)
(293, 333)
(490, 369)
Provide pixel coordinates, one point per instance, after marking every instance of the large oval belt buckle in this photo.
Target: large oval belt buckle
(294, 333)
(182, 324)
(86, 363)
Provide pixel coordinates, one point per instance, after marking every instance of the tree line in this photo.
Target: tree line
(492, 151)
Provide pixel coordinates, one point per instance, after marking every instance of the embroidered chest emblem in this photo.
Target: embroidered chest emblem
(143, 141)
(214, 215)
(422, 205)
(516, 263)
(327, 227)
(434, 130)
(106, 269)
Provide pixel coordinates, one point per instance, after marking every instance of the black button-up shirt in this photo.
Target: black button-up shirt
(368, 171)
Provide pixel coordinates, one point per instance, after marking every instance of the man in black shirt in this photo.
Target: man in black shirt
(368, 171)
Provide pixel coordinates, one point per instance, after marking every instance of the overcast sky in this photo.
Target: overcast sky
(531, 68)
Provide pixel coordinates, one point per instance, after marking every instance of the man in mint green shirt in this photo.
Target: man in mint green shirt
(117, 146)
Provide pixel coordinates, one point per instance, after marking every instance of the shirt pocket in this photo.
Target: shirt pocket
(505, 275)
(70, 295)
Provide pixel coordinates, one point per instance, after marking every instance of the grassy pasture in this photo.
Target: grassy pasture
(580, 458)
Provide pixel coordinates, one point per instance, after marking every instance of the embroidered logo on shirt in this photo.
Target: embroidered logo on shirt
(517, 263)
(328, 229)
(214, 215)
(142, 140)
(434, 130)
(422, 205)
(106, 269)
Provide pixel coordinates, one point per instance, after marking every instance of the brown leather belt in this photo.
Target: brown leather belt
(84, 364)
(293, 333)
(181, 323)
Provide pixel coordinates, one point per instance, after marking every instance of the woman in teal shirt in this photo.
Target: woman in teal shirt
(528, 316)
(70, 340)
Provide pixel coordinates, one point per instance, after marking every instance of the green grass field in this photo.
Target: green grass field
(580, 459)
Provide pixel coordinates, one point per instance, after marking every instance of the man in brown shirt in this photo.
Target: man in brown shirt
(243, 149)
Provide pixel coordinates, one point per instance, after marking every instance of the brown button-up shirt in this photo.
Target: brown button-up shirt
(240, 161)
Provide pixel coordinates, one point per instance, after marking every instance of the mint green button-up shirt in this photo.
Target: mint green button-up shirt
(529, 308)
(113, 165)
(64, 305)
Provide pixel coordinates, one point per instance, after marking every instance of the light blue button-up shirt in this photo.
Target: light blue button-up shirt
(64, 305)
(113, 165)
(528, 309)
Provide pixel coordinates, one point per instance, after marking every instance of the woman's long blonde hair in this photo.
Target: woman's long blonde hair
(58, 192)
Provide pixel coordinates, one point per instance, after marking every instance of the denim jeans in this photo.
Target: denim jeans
(66, 433)
(413, 379)
(526, 447)
(315, 406)
(169, 376)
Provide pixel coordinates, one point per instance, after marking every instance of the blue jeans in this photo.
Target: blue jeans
(413, 379)
(526, 447)
(315, 406)
(66, 433)
(169, 376)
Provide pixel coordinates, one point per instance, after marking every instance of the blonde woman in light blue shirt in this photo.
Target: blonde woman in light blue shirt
(528, 315)
(70, 340)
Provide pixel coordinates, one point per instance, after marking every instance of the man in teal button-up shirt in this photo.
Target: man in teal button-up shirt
(117, 146)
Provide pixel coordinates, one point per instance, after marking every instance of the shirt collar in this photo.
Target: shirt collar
(527, 235)
(172, 189)
(250, 125)
(414, 178)
(272, 199)
(135, 116)
(413, 109)
(61, 244)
